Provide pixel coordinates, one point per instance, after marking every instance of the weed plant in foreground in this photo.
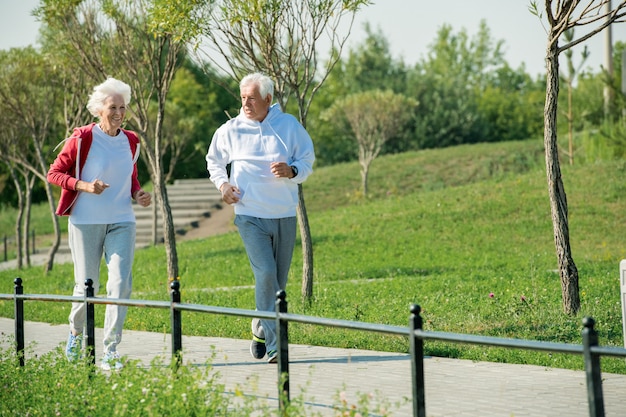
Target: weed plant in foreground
(49, 385)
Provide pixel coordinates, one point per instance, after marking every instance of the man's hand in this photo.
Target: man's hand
(230, 193)
(281, 170)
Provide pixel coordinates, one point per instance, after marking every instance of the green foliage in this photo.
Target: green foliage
(607, 143)
(197, 105)
(184, 20)
(469, 94)
(49, 385)
(441, 228)
(511, 106)
(369, 66)
(466, 90)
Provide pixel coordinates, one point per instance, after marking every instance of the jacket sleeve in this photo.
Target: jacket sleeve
(217, 158)
(303, 155)
(62, 170)
(134, 142)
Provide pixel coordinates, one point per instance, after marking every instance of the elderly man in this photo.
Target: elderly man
(270, 153)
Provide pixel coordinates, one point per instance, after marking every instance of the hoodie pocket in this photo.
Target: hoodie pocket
(268, 196)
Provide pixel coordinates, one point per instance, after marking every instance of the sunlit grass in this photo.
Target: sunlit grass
(465, 232)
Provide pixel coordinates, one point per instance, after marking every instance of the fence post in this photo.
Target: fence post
(177, 333)
(282, 339)
(416, 346)
(19, 320)
(91, 321)
(592, 369)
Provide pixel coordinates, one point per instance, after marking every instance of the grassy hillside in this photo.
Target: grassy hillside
(465, 232)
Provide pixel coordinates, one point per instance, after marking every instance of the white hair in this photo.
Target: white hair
(110, 87)
(265, 83)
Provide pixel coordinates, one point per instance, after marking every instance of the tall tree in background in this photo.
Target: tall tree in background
(449, 84)
(281, 38)
(591, 17)
(29, 92)
(14, 144)
(141, 42)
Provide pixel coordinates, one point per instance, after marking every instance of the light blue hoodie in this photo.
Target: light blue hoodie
(251, 146)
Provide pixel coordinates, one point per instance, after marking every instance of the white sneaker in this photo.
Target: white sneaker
(111, 361)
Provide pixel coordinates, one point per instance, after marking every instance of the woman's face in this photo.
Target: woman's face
(113, 112)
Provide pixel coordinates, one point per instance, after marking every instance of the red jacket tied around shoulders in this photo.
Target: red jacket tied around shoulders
(66, 168)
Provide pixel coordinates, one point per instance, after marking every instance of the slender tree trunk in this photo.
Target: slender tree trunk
(169, 234)
(19, 254)
(558, 200)
(28, 202)
(155, 220)
(43, 167)
(307, 247)
(20, 216)
(57, 230)
(608, 63)
(365, 168)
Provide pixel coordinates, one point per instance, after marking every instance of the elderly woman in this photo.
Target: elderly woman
(97, 173)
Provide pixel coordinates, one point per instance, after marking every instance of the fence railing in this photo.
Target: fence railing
(589, 349)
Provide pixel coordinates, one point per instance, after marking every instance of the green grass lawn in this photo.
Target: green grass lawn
(464, 232)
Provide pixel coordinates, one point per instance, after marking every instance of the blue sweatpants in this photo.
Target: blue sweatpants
(269, 244)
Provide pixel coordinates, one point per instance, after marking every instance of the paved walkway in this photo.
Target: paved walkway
(453, 387)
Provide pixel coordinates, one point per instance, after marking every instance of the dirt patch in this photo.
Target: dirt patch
(220, 222)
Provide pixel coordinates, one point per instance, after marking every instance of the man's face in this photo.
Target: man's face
(254, 106)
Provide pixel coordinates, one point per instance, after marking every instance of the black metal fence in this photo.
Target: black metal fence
(589, 349)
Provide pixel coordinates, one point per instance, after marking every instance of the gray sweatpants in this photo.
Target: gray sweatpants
(269, 244)
(88, 242)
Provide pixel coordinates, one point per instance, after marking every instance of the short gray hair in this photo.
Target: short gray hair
(101, 92)
(265, 83)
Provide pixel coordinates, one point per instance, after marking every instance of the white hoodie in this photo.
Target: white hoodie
(251, 146)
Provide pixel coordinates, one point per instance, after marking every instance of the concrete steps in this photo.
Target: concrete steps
(190, 201)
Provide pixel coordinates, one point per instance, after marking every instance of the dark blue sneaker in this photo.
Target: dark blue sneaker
(74, 347)
(257, 347)
(272, 356)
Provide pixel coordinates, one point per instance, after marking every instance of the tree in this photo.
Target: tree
(281, 39)
(28, 93)
(374, 117)
(367, 66)
(564, 15)
(12, 144)
(450, 81)
(143, 43)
